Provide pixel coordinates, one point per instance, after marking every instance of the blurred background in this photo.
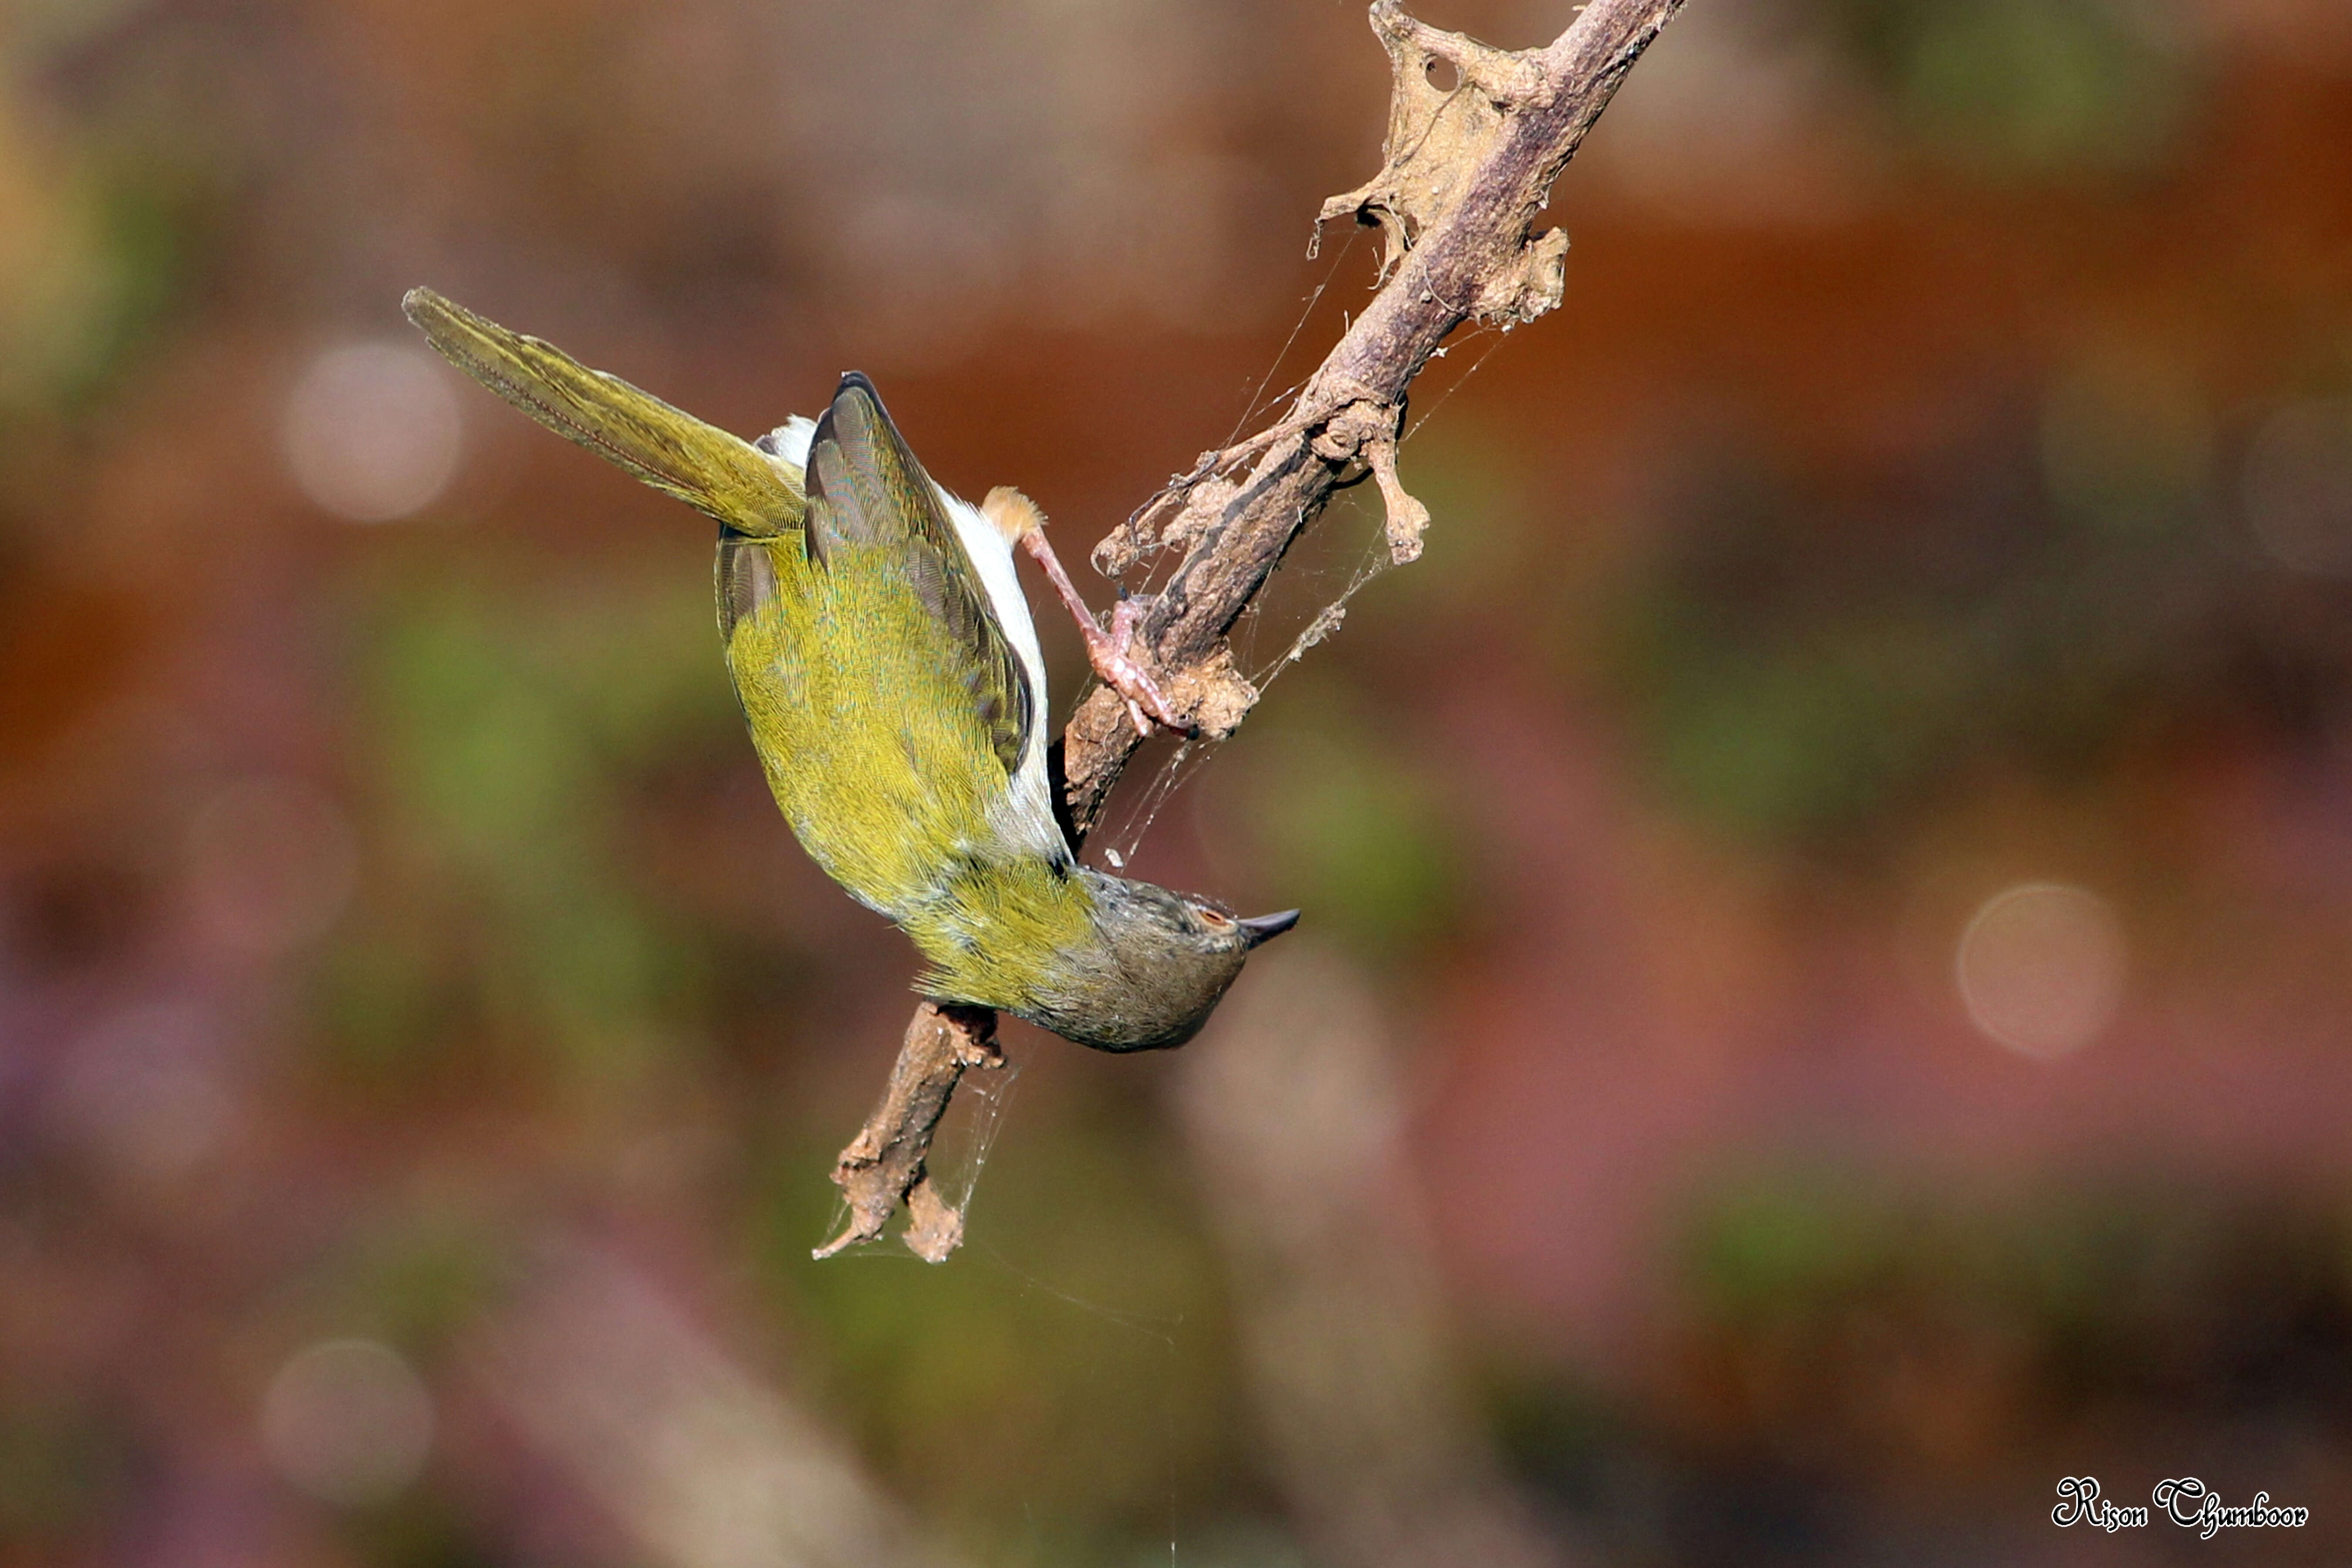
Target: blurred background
(1824, 996)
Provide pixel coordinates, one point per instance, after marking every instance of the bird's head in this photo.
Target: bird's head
(1153, 968)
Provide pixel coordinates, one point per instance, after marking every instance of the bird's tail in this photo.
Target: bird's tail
(701, 465)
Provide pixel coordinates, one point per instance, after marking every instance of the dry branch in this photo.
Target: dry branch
(884, 1163)
(1465, 170)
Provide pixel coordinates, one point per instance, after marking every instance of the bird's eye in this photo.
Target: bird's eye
(1213, 919)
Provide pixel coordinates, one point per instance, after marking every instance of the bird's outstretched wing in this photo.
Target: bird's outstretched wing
(867, 493)
(715, 473)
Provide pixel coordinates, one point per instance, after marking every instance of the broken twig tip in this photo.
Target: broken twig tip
(883, 1165)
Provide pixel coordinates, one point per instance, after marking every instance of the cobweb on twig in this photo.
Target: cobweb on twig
(957, 1157)
(992, 1094)
(1373, 558)
(1155, 572)
(1302, 606)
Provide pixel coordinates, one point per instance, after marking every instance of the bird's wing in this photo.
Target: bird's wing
(866, 492)
(715, 473)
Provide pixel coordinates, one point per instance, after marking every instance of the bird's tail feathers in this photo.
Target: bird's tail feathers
(714, 472)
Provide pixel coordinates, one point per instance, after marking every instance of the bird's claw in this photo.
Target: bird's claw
(1111, 652)
(1115, 663)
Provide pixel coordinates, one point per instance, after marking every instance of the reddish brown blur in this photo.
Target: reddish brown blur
(1843, 848)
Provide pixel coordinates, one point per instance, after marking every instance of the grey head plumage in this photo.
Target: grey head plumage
(1157, 966)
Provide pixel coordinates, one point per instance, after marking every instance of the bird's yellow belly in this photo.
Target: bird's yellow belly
(868, 744)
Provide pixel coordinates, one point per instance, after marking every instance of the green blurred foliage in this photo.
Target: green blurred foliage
(64, 1471)
(2030, 89)
(512, 721)
(1800, 660)
(1084, 1318)
(1340, 822)
(421, 1529)
(1479, 556)
(416, 1274)
(2112, 1290)
(102, 234)
(1848, 1360)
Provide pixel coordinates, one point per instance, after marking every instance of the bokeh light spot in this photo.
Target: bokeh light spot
(372, 431)
(2298, 487)
(2041, 968)
(347, 1422)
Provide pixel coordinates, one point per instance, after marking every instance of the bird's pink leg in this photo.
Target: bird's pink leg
(1110, 652)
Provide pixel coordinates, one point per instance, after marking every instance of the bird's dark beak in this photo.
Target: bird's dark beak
(1265, 928)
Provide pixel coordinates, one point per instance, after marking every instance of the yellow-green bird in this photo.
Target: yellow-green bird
(885, 659)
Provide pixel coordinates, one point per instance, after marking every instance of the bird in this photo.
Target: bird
(882, 651)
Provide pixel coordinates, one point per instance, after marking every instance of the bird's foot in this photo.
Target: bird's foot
(1113, 658)
(1112, 653)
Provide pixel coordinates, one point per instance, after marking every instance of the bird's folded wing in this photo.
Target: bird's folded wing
(867, 493)
(715, 473)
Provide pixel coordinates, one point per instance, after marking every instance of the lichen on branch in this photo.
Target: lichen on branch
(1440, 137)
